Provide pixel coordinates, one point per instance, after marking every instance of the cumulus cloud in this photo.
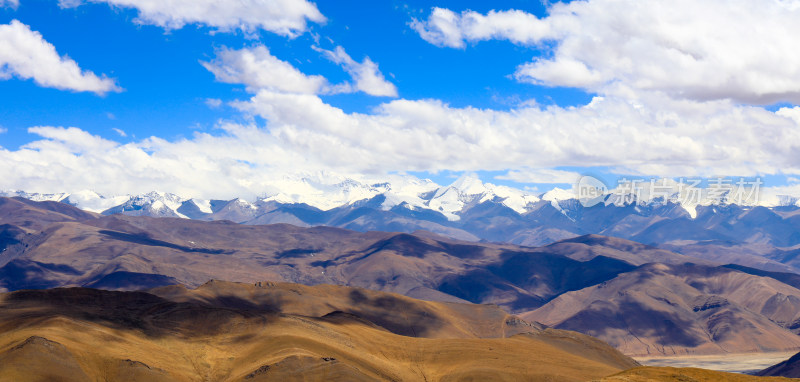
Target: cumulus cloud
(258, 69)
(284, 17)
(701, 50)
(543, 175)
(71, 159)
(303, 134)
(671, 137)
(368, 78)
(447, 28)
(25, 54)
(9, 3)
(641, 124)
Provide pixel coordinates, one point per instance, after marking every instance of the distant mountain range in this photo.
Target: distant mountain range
(639, 298)
(764, 237)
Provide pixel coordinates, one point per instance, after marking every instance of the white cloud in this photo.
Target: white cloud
(258, 69)
(240, 160)
(652, 136)
(121, 132)
(284, 17)
(3, 130)
(9, 3)
(550, 176)
(368, 78)
(702, 50)
(213, 103)
(657, 135)
(26, 55)
(447, 28)
(647, 131)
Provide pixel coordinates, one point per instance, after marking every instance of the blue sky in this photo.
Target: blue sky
(166, 87)
(469, 78)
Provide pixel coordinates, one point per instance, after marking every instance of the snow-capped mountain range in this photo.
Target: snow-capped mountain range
(411, 193)
(468, 209)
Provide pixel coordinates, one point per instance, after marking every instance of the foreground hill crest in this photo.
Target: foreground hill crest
(227, 331)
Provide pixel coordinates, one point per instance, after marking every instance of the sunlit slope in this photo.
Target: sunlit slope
(647, 374)
(231, 332)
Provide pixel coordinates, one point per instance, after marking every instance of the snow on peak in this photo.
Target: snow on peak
(203, 205)
(158, 200)
(326, 191)
(516, 199)
(558, 194)
(92, 201)
(242, 203)
(469, 184)
(558, 197)
(469, 189)
(323, 192)
(35, 196)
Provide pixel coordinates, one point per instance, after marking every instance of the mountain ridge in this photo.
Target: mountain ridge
(48, 246)
(471, 210)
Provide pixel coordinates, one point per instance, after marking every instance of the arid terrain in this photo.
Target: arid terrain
(228, 331)
(449, 320)
(223, 331)
(642, 300)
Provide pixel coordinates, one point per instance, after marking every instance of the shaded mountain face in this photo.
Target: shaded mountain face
(134, 252)
(684, 374)
(280, 332)
(469, 210)
(682, 309)
(491, 219)
(468, 207)
(789, 368)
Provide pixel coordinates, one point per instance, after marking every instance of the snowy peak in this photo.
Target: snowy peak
(558, 194)
(323, 191)
(158, 204)
(469, 190)
(35, 196)
(468, 184)
(92, 201)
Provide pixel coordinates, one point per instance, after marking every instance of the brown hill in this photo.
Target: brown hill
(789, 368)
(587, 247)
(647, 374)
(396, 313)
(130, 252)
(677, 309)
(227, 331)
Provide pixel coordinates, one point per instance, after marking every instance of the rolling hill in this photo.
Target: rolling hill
(280, 332)
(681, 309)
